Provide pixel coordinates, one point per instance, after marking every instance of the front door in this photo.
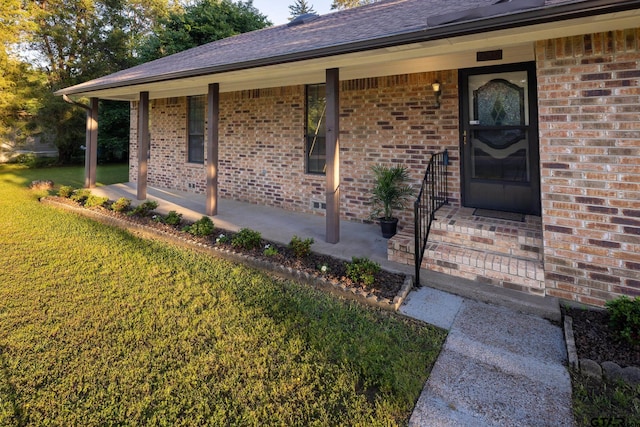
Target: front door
(500, 156)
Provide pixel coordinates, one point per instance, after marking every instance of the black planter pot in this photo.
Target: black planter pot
(389, 227)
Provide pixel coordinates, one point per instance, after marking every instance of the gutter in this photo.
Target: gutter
(542, 15)
(72, 102)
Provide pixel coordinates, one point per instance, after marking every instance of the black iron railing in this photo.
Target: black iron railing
(432, 196)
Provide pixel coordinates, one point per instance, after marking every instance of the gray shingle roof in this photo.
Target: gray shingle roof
(381, 24)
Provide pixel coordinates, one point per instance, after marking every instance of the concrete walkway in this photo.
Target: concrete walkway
(498, 366)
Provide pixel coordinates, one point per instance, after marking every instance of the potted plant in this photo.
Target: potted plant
(390, 191)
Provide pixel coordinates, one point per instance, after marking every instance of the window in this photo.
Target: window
(195, 129)
(316, 107)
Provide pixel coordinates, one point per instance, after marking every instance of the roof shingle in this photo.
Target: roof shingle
(344, 31)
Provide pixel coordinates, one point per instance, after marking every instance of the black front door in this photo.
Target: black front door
(500, 156)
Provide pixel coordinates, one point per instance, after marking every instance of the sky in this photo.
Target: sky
(278, 10)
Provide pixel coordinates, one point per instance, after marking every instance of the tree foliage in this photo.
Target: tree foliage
(78, 40)
(348, 4)
(199, 23)
(19, 83)
(73, 41)
(300, 7)
(22, 88)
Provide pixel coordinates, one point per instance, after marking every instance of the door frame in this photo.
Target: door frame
(530, 68)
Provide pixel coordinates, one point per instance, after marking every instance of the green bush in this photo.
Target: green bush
(32, 161)
(201, 228)
(95, 201)
(362, 270)
(144, 209)
(121, 205)
(173, 218)
(247, 239)
(624, 318)
(81, 195)
(301, 248)
(270, 251)
(222, 238)
(65, 191)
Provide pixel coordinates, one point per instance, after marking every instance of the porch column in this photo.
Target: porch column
(143, 144)
(91, 152)
(213, 117)
(333, 156)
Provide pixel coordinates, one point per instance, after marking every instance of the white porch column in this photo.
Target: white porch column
(333, 156)
(143, 144)
(91, 152)
(213, 117)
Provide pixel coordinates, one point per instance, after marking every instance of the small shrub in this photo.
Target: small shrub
(173, 218)
(222, 238)
(144, 209)
(301, 248)
(41, 184)
(362, 270)
(81, 195)
(65, 191)
(121, 205)
(201, 228)
(32, 161)
(624, 318)
(270, 251)
(95, 201)
(247, 239)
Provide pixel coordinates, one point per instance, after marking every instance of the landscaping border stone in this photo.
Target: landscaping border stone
(332, 286)
(591, 368)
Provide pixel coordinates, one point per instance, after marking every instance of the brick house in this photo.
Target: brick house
(538, 106)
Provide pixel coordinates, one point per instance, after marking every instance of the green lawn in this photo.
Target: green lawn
(98, 327)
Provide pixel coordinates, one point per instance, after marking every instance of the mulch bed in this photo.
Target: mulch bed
(595, 340)
(387, 284)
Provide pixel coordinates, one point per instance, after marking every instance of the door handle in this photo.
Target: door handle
(464, 137)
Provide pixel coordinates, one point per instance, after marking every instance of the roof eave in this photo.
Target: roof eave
(530, 17)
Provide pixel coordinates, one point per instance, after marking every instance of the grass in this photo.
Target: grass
(605, 403)
(98, 327)
(69, 175)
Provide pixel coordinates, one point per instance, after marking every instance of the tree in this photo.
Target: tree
(202, 22)
(300, 7)
(78, 40)
(20, 83)
(348, 4)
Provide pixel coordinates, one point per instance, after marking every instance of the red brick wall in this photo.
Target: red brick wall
(392, 120)
(389, 120)
(589, 100)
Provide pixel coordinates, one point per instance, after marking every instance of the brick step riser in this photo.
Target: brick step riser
(527, 277)
(531, 287)
(511, 247)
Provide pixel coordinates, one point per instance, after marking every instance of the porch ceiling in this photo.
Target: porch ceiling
(441, 54)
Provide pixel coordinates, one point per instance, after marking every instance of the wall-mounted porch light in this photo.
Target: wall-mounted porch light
(437, 92)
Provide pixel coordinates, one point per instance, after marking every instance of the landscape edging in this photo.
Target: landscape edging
(337, 289)
(591, 368)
